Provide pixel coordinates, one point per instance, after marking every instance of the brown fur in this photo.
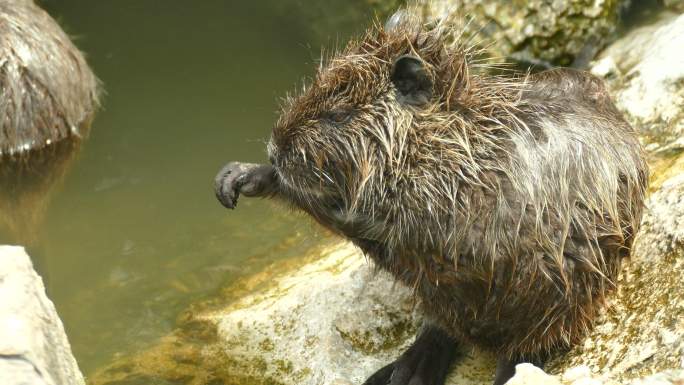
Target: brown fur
(48, 96)
(47, 91)
(507, 202)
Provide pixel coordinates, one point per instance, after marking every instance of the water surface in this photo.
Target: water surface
(135, 234)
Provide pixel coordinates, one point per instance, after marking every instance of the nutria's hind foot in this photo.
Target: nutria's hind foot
(505, 368)
(426, 362)
(249, 179)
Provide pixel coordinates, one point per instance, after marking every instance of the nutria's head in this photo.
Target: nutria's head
(360, 132)
(346, 132)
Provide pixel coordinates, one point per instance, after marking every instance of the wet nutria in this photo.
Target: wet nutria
(48, 96)
(506, 202)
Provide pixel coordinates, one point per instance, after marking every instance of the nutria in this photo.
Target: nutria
(48, 96)
(505, 201)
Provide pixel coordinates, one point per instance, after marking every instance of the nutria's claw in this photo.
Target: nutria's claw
(243, 178)
(228, 182)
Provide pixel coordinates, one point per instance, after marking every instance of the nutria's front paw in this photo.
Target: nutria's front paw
(227, 183)
(243, 178)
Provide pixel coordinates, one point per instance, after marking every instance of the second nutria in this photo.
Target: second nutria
(48, 96)
(505, 202)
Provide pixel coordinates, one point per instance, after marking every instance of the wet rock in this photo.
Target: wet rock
(528, 374)
(539, 32)
(645, 73)
(33, 346)
(333, 320)
(324, 328)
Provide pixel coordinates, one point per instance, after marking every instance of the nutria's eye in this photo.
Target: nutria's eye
(338, 115)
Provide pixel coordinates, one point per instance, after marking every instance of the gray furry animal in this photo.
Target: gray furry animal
(47, 91)
(48, 96)
(505, 202)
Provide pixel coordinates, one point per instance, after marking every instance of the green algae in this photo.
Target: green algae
(381, 338)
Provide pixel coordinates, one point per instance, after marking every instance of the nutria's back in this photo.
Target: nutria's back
(546, 231)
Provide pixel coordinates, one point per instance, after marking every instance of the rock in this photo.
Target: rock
(645, 71)
(331, 321)
(324, 329)
(528, 374)
(33, 346)
(670, 377)
(536, 31)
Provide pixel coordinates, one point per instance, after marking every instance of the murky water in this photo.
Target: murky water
(135, 234)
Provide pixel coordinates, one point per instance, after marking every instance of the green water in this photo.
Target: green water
(135, 234)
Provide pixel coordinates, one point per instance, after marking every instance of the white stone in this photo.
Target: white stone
(576, 373)
(33, 346)
(528, 374)
(649, 64)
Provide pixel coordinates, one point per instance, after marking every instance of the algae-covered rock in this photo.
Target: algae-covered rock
(542, 32)
(333, 320)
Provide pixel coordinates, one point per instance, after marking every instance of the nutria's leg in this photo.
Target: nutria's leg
(426, 362)
(505, 369)
(248, 179)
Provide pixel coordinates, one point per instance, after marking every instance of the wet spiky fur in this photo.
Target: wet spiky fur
(48, 96)
(48, 93)
(507, 202)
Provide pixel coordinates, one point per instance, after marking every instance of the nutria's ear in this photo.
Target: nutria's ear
(412, 80)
